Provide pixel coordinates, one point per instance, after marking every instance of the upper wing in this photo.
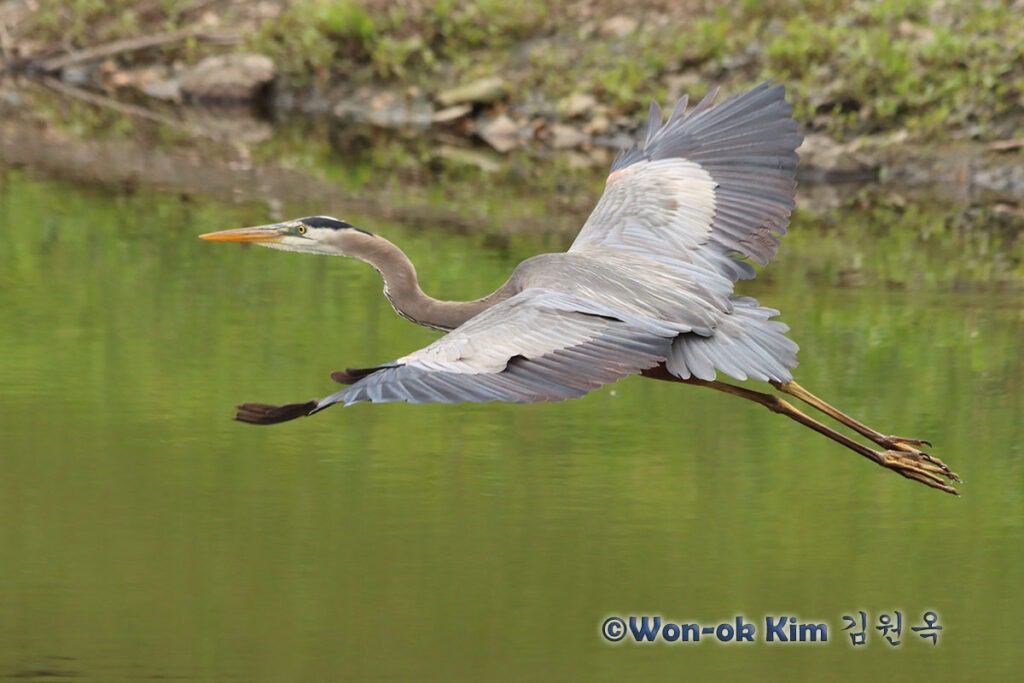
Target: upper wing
(539, 345)
(715, 181)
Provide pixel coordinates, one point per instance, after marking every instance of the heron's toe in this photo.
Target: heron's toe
(923, 468)
(913, 447)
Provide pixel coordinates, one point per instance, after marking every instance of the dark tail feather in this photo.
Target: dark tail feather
(263, 414)
(353, 375)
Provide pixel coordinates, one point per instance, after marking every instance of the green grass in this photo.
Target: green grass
(933, 68)
(926, 67)
(852, 67)
(320, 39)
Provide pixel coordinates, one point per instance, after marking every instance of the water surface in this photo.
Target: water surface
(146, 535)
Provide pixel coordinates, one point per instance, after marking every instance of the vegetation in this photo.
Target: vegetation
(323, 38)
(920, 65)
(854, 67)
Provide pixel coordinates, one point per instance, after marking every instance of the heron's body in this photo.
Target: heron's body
(646, 288)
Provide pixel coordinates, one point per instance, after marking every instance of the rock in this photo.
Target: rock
(152, 81)
(451, 113)
(577, 160)
(564, 137)
(599, 125)
(483, 91)
(576, 105)
(1015, 212)
(384, 108)
(501, 133)
(618, 26)
(168, 90)
(233, 77)
(822, 158)
(601, 156)
(1006, 145)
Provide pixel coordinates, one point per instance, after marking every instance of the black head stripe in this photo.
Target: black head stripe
(324, 222)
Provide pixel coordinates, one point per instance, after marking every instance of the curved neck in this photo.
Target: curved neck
(402, 288)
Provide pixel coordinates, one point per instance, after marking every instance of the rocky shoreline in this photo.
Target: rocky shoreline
(226, 90)
(479, 118)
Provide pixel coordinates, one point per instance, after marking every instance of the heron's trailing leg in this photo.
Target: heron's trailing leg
(894, 443)
(909, 465)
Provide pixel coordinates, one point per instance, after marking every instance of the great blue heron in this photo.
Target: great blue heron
(646, 288)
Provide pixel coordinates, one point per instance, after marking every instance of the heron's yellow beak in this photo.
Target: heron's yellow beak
(261, 233)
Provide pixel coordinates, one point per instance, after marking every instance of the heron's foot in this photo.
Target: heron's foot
(912, 446)
(921, 467)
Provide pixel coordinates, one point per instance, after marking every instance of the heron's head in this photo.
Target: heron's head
(312, 235)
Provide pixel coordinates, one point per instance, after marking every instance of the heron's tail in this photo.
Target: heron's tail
(264, 414)
(746, 345)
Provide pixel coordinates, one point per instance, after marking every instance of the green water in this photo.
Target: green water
(145, 535)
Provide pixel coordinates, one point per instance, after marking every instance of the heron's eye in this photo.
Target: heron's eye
(302, 230)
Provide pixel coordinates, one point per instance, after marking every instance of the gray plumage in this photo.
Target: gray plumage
(539, 345)
(647, 282)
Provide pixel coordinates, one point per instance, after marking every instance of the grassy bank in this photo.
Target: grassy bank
(930, 68)
(933, 69)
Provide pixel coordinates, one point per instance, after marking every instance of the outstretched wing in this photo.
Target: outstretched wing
(539, 345)
(712, 183)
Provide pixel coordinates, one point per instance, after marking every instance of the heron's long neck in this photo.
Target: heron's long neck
(402, 288)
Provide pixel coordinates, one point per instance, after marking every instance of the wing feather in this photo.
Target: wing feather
(719, 180)
(539, 345)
